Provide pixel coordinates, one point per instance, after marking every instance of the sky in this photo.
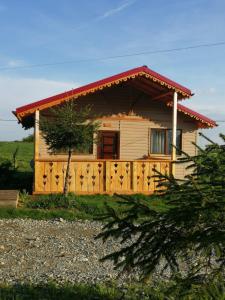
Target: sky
(81, 33)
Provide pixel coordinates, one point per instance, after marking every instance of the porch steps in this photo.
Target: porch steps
(9, 198)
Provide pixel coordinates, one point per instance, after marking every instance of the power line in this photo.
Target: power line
(116, 56)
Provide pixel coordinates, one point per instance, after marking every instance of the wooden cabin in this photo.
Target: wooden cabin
(141, 116)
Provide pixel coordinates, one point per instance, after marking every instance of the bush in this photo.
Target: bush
(52, 201)
(28, 139)
(11, 178)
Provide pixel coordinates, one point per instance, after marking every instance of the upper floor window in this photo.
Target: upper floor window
(161, 141)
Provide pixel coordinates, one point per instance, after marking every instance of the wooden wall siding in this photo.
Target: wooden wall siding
(97, 177)
(189, 136)
(134, 134)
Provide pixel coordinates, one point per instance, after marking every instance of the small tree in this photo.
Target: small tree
(188, 237)
(69, 129)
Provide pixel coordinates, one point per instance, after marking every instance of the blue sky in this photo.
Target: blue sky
(47, 31)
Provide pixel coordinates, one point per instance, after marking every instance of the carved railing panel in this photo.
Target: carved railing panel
(103, 176)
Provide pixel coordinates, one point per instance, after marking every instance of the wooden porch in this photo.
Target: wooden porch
(99, 176)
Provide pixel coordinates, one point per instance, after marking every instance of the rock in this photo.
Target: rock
(83, 259)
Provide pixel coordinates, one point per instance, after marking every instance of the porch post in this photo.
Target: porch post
(36, 150)
(174, 132)
(36, 134)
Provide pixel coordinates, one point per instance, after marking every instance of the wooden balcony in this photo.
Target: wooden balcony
(99, 176)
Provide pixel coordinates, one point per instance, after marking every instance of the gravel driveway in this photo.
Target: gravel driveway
(39, 251)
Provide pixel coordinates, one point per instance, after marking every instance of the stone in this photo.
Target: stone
(84, 259)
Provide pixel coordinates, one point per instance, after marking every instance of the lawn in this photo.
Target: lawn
(24, 155)
(73, 207)
(160, 290)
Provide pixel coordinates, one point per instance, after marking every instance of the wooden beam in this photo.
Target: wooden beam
(160, 96)
(156, 86)
(144, 88)
(136, 99)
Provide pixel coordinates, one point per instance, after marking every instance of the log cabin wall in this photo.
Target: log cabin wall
(115, 106)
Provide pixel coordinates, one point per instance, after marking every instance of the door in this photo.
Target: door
(108, 147)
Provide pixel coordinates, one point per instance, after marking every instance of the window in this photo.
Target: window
(161, 141)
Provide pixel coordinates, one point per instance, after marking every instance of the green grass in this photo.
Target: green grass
(42, 214)
(78, 291)
(72, 208)
(90, 203)
(24, 156)
(111, 291)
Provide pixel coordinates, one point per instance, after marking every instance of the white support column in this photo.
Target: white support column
(36, 134)
(174, 131)
(36, 150)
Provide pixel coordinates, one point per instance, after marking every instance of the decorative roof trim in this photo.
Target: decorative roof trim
(28, 109)
(206, 122)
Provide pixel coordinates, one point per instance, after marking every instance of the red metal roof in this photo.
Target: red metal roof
(29, 109)
(109, 80)
(196, 115)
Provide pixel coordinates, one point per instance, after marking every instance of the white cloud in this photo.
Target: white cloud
(117, 9)
(15, 63)
(16, 92)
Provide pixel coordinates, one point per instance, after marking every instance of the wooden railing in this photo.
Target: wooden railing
(99, 176)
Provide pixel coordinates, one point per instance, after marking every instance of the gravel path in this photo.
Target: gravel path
(39, 251)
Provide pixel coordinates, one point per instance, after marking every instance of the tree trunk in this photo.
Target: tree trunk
(66, 184)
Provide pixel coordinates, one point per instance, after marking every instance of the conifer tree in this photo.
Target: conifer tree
(69, 129)
(188, 237)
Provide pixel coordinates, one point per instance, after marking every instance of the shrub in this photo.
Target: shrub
(28, 139)
(52, 201)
